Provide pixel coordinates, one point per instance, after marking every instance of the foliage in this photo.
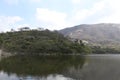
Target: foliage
(105, 50)
(42, 42)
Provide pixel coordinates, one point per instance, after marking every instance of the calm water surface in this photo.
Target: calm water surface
(91, 67)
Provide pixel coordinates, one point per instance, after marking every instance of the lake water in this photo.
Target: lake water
(91, 67)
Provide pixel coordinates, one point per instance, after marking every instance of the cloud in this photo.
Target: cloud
(8, 22)
(80, 15)
(52, 19)
(81, 11)
(58, 20)
(114, 15)
(104, 11)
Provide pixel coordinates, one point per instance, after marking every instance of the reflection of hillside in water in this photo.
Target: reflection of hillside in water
(98, 68)
(43, 66)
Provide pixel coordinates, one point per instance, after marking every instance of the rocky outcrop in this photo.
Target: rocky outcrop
(4, 54)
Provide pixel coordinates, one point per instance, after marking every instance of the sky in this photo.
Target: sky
(56, 14)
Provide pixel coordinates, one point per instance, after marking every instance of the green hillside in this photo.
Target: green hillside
(39, 42)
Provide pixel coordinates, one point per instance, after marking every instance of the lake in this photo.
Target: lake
(91, 67)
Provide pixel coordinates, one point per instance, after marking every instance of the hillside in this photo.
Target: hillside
(39, 42)
(104, 34)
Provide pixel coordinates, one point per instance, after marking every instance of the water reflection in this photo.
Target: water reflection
(93, 67)
(41, 67)
(4, 76)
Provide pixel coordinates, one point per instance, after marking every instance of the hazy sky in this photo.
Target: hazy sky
(57, 14)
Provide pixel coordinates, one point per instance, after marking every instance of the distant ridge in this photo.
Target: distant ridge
(96, 34)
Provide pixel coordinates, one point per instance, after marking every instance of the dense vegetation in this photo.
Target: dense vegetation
(105, 50)
(39, 42)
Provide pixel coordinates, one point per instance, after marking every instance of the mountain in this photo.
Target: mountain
(107, 34)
